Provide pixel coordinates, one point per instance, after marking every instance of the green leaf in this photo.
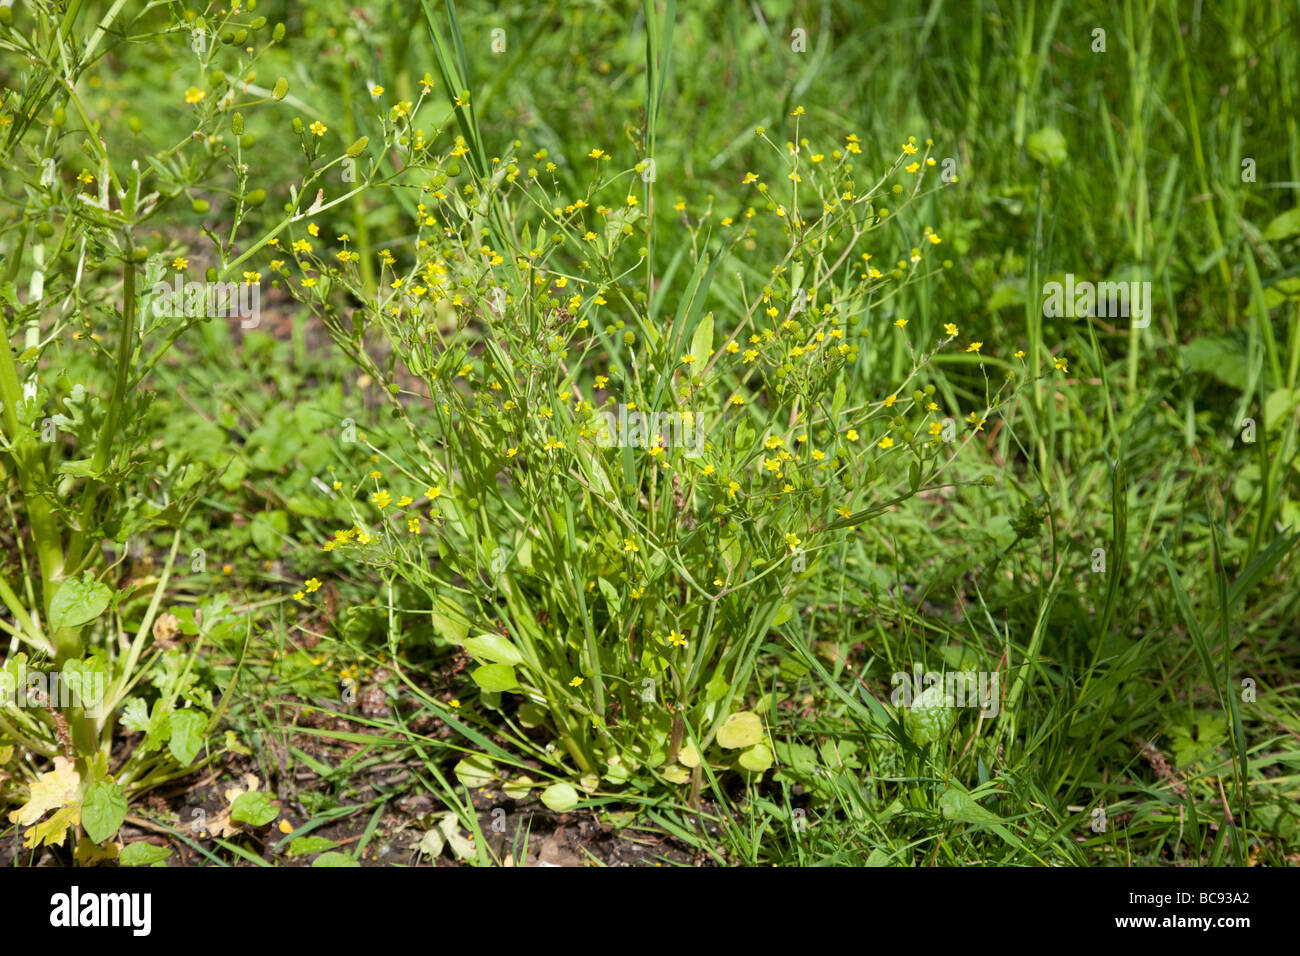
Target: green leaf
(143, 853)
(960, 807)
(450, 621)
(757, 758)
(494, 648)
(1047, 146)
(78, 601)
(702, 340)
(1287, 224)
(187, 728)
(303, 845)
(476, 770)
(1280, 403)
(254, 808)
(268, 529)
(103, 810)
(560, 797)
(741, 729)
(495, 677)
(334, 859)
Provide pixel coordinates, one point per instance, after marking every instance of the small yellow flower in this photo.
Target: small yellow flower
(676, 639)
(576, 682)
(432, 492)
(454, 703)
(194, 95)
(312, 584)
(180, 263)
(381, 499)
(974, 346)
(851, 434)
(886, 442)
(318, 128)
(950, 329)
(285, 826)
(630, 545)
(792, 541)
(596, 154)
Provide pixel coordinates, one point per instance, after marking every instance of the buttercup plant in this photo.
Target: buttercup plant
(618, 592)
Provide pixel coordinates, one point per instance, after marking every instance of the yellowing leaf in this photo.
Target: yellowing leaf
(52, 790)
(741, 729)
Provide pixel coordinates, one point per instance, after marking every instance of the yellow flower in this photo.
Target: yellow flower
(792, 541)
(381, 499)
(576, 682)
(194, 95)
(454, 703)
(285, 826)
(596, 154)
(886, 442)
(432, 492)
(676, 639)
(732, 488)
(974, 346)
(376, 91)
(630, 545)
(950, 329)
(318, 128)
(312, 584)
(297, 595)
(1060, 365)
(180, 263)
(851, 434)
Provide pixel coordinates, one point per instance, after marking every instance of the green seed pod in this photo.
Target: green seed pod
(258, 23)
(359, 147)
(278, 33)
(6, 16)
(472, 503)
(218, 77)
(228, 37)
(237, 124)
(44, 229)
(241, 36)
(297, 125)
(255, 198)
(211, 274)
(200, 206)
(139, 253)
(280, 89)
(247, 140)
(629, 338)
(60, 114)
(134, 124)
(453, 169)
(929, 390)
(918, 395)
